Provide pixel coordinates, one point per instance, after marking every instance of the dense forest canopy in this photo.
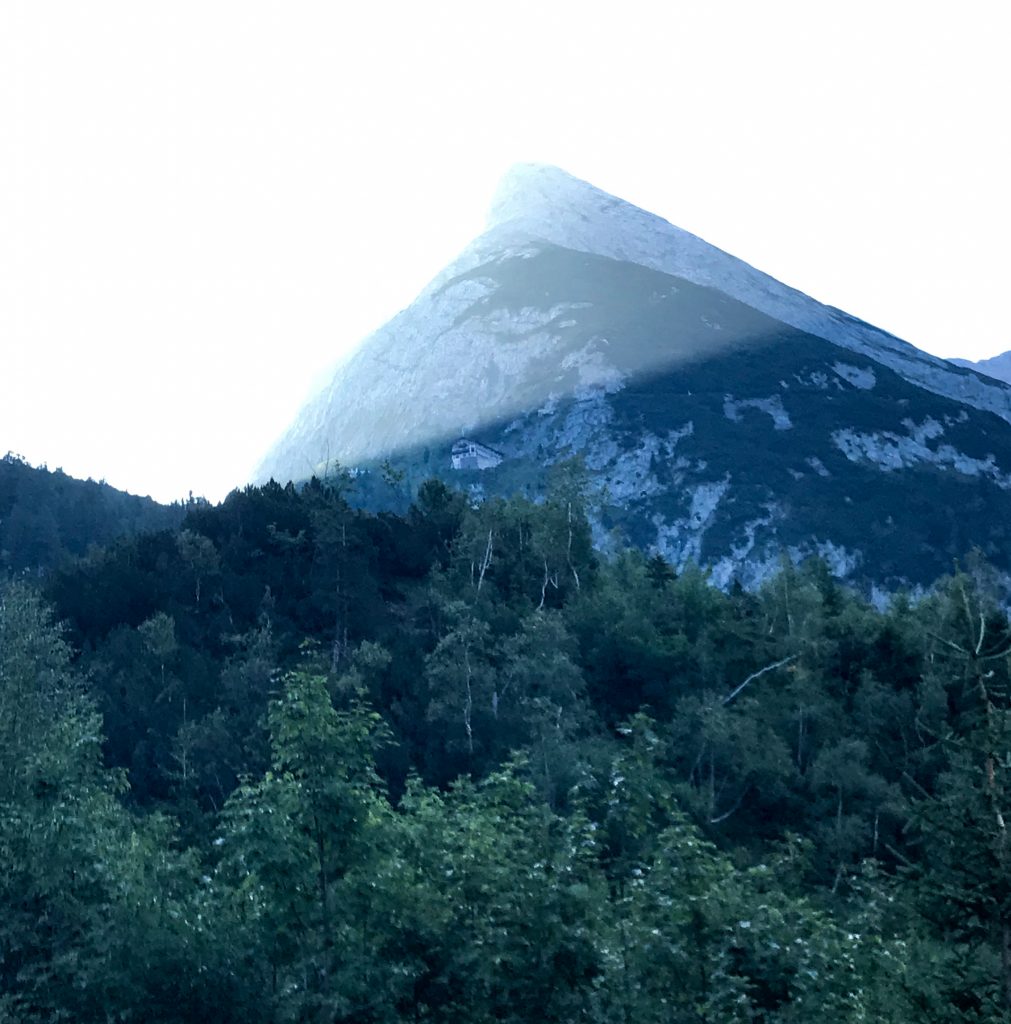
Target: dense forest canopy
(294, 760)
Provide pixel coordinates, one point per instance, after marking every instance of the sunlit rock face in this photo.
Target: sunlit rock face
(722, 417)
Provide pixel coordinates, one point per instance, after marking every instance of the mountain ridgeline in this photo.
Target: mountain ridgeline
(721, 416)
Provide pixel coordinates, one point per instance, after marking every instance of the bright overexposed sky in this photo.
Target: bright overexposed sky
(203, 204)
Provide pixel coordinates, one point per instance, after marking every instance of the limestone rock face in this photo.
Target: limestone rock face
(721, 416)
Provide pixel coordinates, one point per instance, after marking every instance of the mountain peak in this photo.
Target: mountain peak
(541, 194)
(540, 202)
(546, 202)
(721, 415)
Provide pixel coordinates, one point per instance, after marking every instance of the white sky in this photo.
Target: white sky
(202, 204)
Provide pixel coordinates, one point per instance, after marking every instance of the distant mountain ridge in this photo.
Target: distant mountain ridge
(998, 367)
(721, 415)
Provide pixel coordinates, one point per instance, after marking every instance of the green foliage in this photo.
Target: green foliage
(961, 882)
(315, 764)
(297, 844)
(79, 881)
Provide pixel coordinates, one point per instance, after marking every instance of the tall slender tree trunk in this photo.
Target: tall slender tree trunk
(1005, 958)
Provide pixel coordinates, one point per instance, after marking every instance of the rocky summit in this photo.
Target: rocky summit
(721, 416)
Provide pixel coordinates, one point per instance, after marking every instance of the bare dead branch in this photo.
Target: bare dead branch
(948, 643)
(755, 675)
(736, 806)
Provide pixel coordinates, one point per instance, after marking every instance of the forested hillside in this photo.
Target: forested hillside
(299, 761)
(47, 516)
